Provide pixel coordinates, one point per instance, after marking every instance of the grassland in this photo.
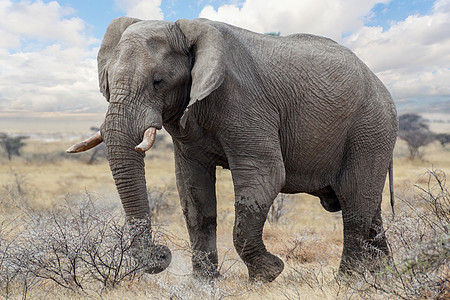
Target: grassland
(306, 237)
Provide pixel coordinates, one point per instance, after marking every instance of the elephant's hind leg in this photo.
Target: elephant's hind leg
(364, 239)
(377, 238)
(356, 251)
(365, 164)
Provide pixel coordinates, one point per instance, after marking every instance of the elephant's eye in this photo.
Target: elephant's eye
(157, 81)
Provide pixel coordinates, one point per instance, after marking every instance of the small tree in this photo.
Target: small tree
(12, 145)
(415, 131)
(443, 138)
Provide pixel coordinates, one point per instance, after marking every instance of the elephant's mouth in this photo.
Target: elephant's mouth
(147, 142)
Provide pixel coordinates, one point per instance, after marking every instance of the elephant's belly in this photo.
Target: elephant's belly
(305, 178)
(320, 187)
(311, 163)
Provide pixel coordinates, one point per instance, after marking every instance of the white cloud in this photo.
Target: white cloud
(413, 56)
(142, 9)
(40, 21)
(50, 80)
(47, 58)
(331, 18)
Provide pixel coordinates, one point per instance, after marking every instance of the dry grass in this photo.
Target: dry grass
(307, 238)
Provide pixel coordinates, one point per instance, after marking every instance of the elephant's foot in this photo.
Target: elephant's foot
(369, 259)
(265, 267)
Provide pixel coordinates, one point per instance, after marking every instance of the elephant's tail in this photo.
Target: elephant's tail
(391, 185)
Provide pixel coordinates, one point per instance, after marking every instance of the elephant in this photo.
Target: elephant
(289, 114)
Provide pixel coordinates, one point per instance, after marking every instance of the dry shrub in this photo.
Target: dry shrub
(277, 209)
(78, 246)
(160, 204)
(308, 248)
(17, 189)
(308, 281)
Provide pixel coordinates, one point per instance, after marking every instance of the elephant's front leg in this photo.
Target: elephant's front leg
(255, 191)
(196, 186)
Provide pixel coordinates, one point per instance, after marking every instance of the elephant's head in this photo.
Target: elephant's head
(150, 72)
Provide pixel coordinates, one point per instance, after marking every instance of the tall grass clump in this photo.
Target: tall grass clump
(78, 246)
(277, 209)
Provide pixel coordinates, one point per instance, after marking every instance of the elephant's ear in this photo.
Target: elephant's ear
(110, 41)
(207, 44)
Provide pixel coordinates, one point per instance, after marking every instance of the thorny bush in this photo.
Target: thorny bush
(420, 242)
(80, 246)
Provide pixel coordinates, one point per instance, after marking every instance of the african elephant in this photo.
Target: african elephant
(294, 114)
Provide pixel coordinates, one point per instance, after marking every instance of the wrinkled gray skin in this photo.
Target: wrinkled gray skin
(284, 114)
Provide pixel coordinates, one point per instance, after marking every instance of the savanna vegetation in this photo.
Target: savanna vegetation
(63, 235)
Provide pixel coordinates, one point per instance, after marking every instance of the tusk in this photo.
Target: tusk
(91, 142)
(147, 140)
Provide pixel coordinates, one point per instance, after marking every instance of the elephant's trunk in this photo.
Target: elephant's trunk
(127, 167)
(122, 130)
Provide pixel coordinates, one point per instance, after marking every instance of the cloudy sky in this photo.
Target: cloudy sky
(48, 48)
